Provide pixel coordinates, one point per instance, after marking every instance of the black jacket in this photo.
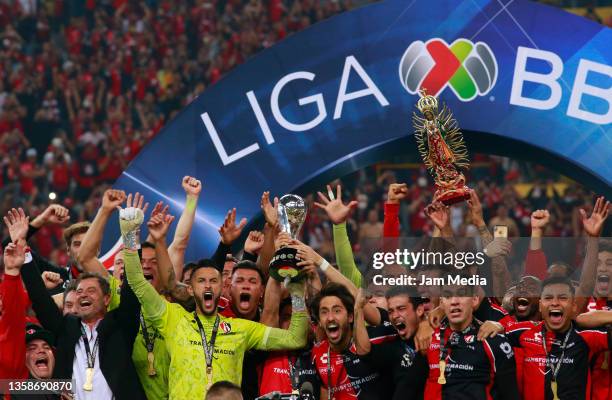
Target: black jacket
(117, 332)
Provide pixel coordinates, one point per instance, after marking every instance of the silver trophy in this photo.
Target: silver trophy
(291, 215)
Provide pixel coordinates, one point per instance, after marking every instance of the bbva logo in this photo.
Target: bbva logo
(469, 69)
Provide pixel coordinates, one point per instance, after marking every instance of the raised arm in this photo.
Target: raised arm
(229, 232)
(536, 263)
(497, 252)
(338, 213)
(13, 314)
(45, 308)
(311, 257)
(360, 333)
(592, 227)
(271, 228)
(397, 192)
(53, 214)
(176, 251)
(158, 227)
(266, 338)
(153, 305)
(88, 253)
(272, 299)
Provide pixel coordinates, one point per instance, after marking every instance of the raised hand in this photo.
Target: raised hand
(270, 211)
(282, 239)
(51, 279)
(192, 186)
(112, 199)
(14, 257)
(475, 208)
(254, 242)
(17, 223)
(593, 224)
(333, 206)
(307, 255)
(498, 247)
(229, 231)
(159, 224)
(55, 214)
(438, 213)
(361, 300)
(159, 209)
(539, 219)
(136, 203)
(397, 192)
(130, 219)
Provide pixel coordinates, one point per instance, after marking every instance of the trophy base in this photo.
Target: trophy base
(452, 196)
(283, 266)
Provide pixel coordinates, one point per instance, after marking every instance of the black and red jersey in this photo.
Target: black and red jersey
(601, 366)
(397, 358)
(474, 369)
(280, 367)
(573, 378)
(353, 377)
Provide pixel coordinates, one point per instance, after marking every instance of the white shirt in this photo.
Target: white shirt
(101, 390)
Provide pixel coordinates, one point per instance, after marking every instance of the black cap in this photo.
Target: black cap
(34, 331)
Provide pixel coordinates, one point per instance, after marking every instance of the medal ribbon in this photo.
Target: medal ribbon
(91, 356)
(208, 347)
(554, 368)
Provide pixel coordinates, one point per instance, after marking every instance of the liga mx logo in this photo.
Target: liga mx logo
(469, 69)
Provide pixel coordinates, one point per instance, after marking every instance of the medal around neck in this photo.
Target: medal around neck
(442, 148)
(291, 216)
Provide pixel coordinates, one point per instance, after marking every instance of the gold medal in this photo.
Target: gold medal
(151, 360)
(89, 373)
(209, 377)
(553, 387)
(442, 378)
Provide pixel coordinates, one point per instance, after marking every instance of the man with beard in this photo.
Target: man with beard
(343, 373)
(557, 353)
(398, 356)
(461, 360)
(204, 347)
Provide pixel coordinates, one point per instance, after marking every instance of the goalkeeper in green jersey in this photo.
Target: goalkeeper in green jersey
(204, 347)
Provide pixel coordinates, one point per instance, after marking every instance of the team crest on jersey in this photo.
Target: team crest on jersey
(225, 327)
(469, 338)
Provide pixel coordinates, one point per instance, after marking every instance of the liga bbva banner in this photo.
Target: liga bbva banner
(314, 104)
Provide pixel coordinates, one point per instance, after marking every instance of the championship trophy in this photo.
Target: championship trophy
(442, 148)
(291, 215)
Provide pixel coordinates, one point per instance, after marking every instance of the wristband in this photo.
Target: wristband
(131, 240)
(324, 265)
(297, 304)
